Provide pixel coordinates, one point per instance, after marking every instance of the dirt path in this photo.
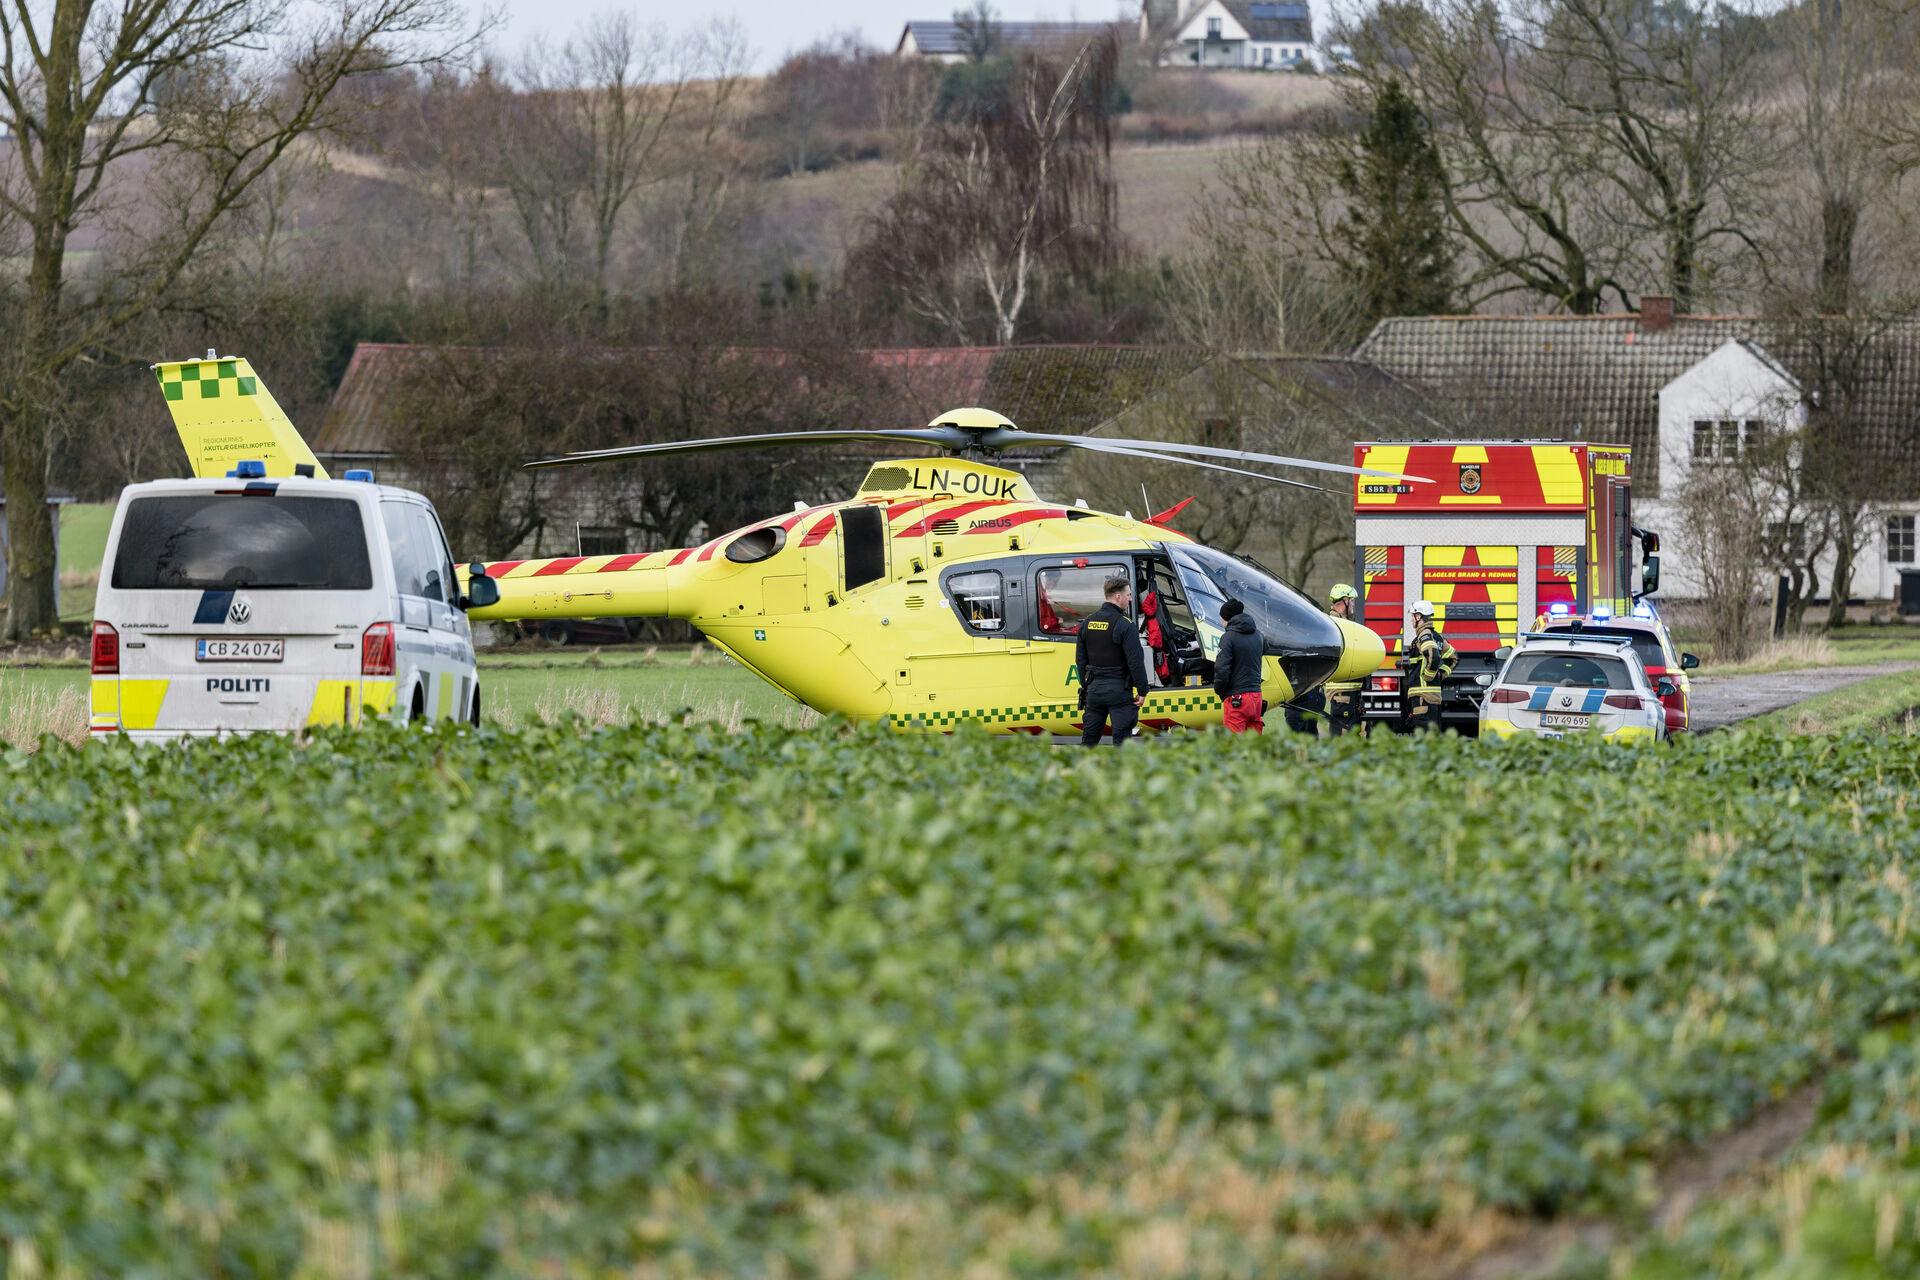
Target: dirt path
(1719, 701)
(1697, 1175)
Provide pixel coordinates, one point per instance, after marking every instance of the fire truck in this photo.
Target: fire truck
(1506, 529)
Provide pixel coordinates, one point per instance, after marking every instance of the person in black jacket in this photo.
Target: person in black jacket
(1236, 670)
(1112, 666)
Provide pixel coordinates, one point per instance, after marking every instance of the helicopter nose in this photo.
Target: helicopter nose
(1361, 652)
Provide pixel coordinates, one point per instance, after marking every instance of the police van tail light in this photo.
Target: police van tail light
(376, 650)
(1625, 701)
(1384, 684)
(1503, 694)
(106, 649)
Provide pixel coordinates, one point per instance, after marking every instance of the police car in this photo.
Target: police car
(244, 603)
(262, 595)
(1652, 643)
(1557, 683)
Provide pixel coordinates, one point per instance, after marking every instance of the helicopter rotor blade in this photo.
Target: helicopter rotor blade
(939, 437)
(1127, 451)
(1013, 440)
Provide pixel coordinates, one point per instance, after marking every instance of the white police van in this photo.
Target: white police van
(238, 603)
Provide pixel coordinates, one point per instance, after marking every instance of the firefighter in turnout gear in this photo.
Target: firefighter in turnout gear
(1113, 670)
(1430, 660)
(1343, 696)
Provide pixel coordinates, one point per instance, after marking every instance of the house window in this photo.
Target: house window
(1726, 439)
(1213, 28)
(602, 542)
(1899, 539)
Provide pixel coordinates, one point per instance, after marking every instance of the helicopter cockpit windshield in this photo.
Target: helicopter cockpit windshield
(1305, 639)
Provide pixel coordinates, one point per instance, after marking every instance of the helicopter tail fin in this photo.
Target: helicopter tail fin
(226, 415)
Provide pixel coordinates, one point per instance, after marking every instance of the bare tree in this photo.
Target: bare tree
(1585, 143)
(1846, 58)
(1723, 513)
(174, 88)
(446, 140)
(979, 25)
(1010, 188)
(612, 112)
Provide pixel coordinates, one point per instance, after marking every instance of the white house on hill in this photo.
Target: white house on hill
(1264, 35)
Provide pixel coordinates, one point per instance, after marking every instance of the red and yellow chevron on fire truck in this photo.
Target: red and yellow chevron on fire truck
(1510, 528)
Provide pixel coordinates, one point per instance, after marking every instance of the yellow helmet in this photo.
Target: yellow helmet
(1341, 591)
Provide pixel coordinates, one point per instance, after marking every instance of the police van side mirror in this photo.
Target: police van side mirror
(482, 592)
(1688, 661)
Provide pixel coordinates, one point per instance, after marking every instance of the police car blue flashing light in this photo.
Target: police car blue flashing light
(248, 469)
(1644, 611)
(360, 473)
(1559, 609)
(1601, 613)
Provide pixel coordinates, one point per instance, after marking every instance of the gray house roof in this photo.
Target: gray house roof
(1269, 21)
(1599, 377)
(935, 37)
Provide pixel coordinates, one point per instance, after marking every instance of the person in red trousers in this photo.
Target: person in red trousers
(1236, 670)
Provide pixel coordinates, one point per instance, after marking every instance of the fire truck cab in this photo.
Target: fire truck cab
(1506, 529)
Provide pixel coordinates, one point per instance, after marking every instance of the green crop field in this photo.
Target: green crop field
(567, 1000)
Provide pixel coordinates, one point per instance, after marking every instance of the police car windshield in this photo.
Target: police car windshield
(1569, 671)
(206, 542)
(1287, 620)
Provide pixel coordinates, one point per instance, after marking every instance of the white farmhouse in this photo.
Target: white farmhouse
(1261, 35)
(1686, 392)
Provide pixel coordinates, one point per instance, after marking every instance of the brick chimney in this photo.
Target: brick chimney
(1656, 313)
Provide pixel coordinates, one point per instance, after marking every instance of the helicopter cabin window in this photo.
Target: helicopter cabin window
(1067, 595)
(981, 600)
(863, 544)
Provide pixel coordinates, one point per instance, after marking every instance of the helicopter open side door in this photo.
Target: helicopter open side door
(1064, 591)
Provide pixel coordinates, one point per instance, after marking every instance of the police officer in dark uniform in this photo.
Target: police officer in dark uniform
(1113, 668)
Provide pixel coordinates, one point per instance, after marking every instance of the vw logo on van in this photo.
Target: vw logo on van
(240, 612)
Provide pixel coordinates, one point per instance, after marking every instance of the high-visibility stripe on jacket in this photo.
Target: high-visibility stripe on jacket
(1434, 660)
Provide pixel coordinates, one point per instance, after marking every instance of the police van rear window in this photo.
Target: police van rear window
(206, 542)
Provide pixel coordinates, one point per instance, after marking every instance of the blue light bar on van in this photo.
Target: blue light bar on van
(1644, 611)
(1602, 613)
(360, 473)
(248, 469)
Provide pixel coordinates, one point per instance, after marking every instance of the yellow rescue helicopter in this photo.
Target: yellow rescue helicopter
(943, 592)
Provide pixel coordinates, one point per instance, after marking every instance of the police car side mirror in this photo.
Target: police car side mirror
(1483, 679)
(1504, 652)
(1666, 688)
(1689, 661)
(482, 591)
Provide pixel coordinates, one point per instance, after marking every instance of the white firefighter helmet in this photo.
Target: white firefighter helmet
(1422, 608)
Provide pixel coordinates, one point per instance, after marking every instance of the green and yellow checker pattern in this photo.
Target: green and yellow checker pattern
(206, 380)
(1035, 715)
(226, 415)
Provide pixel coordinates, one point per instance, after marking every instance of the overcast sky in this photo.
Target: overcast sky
(777, 27)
